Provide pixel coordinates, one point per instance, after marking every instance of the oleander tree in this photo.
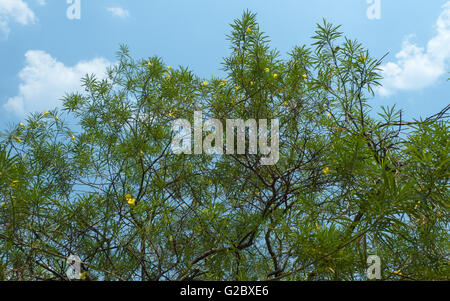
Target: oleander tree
(97, 178)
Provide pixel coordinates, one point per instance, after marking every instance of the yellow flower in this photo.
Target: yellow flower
(286, 103)
(223, 83)
(399, 272)
(205, 83)
(168, 76)
(236, 88)
(130, 200)
(46, 113)
(73, 138)
(267, 69)
(149, 64)
(252, 83)
(326, 170)
(275, 75)
(249, 30)
(304, 76)
(21, 125)
(169, 67)
(18, 139)
(83, 275)
(363, 58)
(56, 118)
(329, 114)
(171, 114)
(14, 183)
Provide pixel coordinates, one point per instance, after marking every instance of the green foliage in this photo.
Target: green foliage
(110, 190)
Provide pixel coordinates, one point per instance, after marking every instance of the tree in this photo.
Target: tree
(348, 184)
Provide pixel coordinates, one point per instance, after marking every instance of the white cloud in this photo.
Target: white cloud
(119, 12)
(419, 67)
(44, 81)
(14, 11)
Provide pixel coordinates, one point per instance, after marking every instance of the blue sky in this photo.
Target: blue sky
(43, 53)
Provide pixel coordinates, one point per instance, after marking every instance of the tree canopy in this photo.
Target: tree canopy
(97, 178)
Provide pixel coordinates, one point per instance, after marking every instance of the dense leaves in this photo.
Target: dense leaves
(98, 178)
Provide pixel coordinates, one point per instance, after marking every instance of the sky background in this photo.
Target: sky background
(43, 53)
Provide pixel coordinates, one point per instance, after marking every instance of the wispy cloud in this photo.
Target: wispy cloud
(14, 11)
(44, 81)
(418, 67)
(119, 12)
